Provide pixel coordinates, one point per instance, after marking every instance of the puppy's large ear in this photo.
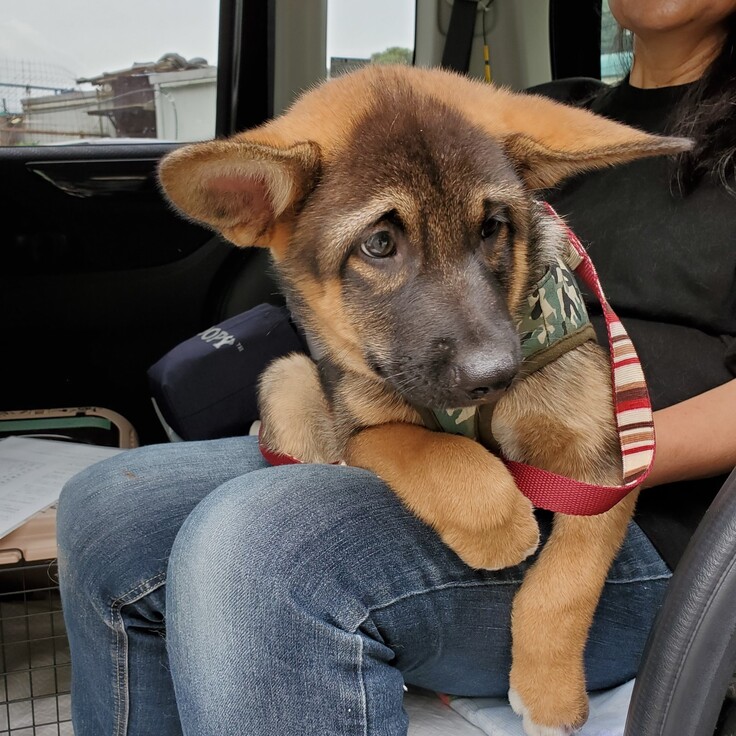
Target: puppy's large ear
(546, 140)
(542, 166)
(247, 191)
(551, 142)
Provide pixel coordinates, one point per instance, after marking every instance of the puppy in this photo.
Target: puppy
(398, 204)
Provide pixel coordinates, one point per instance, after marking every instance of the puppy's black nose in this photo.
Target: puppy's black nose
(479, 374)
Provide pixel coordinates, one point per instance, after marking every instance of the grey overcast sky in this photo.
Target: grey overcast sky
(83, 38)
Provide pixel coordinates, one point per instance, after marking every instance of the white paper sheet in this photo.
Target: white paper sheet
(33, 472)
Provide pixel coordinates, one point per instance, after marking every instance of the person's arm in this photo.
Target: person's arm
(696, 438)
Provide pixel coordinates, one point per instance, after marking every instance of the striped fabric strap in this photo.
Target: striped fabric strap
(633, 411)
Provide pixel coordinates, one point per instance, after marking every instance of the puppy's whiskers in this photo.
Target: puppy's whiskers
(404, 384)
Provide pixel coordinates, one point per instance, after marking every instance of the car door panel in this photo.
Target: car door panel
(96, 283)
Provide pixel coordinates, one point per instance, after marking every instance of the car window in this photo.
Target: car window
(74, 71)
(615, 47)
(318, 39)
(71, 76)
(360, 33)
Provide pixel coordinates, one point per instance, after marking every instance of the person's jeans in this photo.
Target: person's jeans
(208, 594)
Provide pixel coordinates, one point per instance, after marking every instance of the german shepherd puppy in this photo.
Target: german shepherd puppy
(398, 204)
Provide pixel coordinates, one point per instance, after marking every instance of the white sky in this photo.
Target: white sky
(83, 38)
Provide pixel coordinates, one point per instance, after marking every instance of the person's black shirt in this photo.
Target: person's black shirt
(668, 267)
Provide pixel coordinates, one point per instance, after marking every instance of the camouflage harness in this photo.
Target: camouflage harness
(553, 321)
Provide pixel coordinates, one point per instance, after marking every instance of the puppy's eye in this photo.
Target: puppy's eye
(379, 245)
(490, 227)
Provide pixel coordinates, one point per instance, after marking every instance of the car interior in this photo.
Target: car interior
(100, 278)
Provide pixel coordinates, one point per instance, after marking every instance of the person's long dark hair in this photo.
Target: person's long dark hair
(707, 114)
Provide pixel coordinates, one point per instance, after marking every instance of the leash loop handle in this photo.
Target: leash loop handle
(633, 410)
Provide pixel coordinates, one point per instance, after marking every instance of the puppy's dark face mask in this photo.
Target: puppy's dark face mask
(426, 245)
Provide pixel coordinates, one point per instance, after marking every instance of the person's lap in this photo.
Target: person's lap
(309, 575)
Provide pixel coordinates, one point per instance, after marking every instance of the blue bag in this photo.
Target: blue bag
(205, 387)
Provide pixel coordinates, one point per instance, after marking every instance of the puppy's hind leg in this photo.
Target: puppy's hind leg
(295, 417)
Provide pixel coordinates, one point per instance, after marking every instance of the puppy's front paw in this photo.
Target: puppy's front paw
(296, 420)
(497, 547)
(552, 713)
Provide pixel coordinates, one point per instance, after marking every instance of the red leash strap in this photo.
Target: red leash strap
(271, 456)
(277, 458)
(633, 418)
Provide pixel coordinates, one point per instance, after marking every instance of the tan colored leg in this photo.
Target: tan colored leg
(552, 615)
(296, 419)
(454, 485)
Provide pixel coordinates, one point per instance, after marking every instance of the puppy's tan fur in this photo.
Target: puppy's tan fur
(425, 155)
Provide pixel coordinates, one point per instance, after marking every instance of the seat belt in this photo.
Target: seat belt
(459, 41)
